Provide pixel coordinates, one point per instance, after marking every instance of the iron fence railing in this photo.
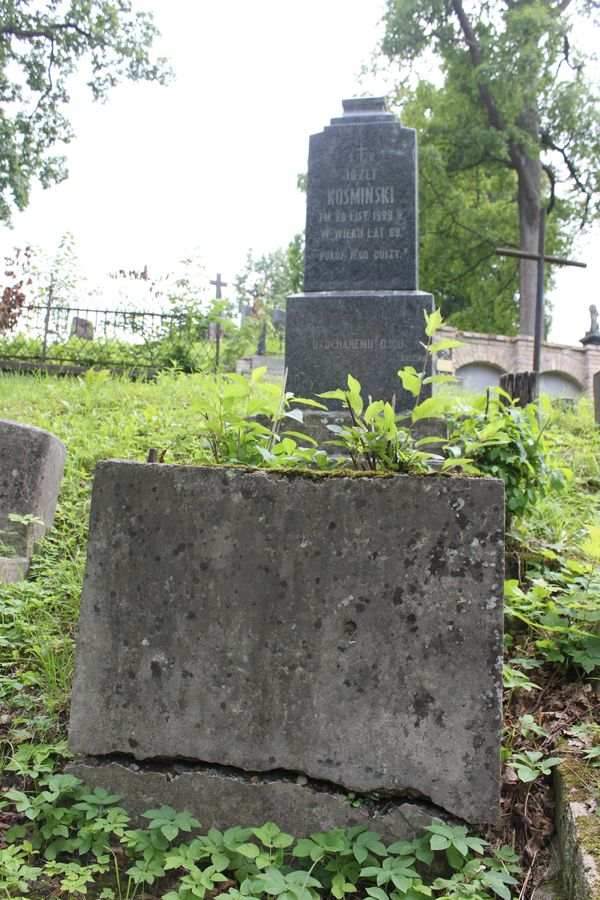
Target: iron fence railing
(70, 336)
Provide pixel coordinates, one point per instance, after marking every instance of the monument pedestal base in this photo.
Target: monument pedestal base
(367, 334)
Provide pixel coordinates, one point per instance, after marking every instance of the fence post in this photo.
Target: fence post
(521, 386)
(218, 347)
(47, 320)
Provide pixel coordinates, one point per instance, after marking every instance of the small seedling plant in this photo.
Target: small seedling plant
(377, 438)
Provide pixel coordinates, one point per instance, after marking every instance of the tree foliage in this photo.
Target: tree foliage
(515, 103)
(41, 45)
(465, 213)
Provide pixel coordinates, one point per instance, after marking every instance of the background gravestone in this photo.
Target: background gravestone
(597, 397)
(82, 328)
(361, 311)
(359, 647)
(31, 467)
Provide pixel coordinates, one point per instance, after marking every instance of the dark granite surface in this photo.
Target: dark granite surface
(361, 221)
(369, 336)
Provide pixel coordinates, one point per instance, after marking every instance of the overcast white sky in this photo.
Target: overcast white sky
(210, 163)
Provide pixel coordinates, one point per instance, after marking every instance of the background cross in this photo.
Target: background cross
(218, 285)
(541, 258)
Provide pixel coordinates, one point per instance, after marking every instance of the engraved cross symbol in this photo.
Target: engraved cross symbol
(218, 285)
(364, 154)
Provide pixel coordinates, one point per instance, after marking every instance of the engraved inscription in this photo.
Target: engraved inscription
(362, 218)
(360, 196)
(369, 343)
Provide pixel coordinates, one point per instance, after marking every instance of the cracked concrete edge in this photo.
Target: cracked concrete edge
(221, 800)
(578, 833)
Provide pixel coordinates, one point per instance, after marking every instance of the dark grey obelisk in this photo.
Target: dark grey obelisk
(361, 312)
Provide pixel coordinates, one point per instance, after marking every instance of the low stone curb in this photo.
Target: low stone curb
(578, 832)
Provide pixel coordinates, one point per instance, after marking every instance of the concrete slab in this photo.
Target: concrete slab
(577, 830)
(221, 800)
(346, 628)
(31, 468)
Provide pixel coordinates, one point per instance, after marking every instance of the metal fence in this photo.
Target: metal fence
(71, 338)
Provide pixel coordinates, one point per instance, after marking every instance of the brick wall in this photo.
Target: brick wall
(515, 354)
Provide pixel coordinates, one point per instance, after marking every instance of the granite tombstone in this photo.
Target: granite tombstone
(82, 328)
(361, 311)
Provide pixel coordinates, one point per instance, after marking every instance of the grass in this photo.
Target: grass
(99, 416)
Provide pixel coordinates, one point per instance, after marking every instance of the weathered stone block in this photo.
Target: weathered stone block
(597, 397)
(345, 628)
(13, 568)
(31, 467)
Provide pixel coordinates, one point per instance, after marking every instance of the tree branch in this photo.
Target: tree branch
(450, 213)
(552, 179)
(549, 144)
(48, 31)
(473, 268)
(493, 113)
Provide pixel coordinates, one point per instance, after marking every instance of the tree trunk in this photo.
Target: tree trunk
(529, 199)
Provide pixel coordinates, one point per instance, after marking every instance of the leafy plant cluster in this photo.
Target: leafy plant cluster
(505, 441)
(488, 435)
(560, 611)
(77, 837)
